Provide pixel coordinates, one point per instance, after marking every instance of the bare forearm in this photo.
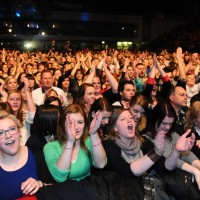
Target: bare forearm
(171, 160)
(64, 162)
(141, 165)
(98, 151)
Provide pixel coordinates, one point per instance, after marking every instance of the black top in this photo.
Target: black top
(111, 97)
(117, 164)
(36, 143)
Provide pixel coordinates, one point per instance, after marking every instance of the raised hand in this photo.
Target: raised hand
(185, 143)
(159, 143)
(198, 143)
(70, 129)
(3, 93)
(96, 123)
(179, 53)
(26, 84)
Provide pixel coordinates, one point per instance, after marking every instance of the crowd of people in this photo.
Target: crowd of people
(91, 122)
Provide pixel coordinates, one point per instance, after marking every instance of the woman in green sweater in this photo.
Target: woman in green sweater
(77, 148)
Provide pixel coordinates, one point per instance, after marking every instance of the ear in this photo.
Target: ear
(120, 93)
(115, 128)
(171, 97)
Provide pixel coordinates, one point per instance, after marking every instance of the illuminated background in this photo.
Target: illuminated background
(31, 24)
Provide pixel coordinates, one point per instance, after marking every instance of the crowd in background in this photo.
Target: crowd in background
(128, 112)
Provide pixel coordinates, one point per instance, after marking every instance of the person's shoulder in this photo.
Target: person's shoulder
(116, 103)
(184, 110)
(52, 145)
(57, 89)
(108, 143)
(37, 90)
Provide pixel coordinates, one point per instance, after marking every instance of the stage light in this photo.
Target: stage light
(17, 14)
(28, 45)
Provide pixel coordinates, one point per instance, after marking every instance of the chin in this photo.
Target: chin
(78, 137)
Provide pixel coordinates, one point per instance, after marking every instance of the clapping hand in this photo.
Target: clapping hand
(160, 143)
(185, 143)
(96, 123)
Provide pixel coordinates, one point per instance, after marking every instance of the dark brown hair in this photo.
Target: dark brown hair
(61, 132)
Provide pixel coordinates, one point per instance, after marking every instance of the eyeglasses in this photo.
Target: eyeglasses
(12, 130)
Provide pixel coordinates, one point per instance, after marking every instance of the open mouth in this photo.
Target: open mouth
(130, 127)
(10, 142)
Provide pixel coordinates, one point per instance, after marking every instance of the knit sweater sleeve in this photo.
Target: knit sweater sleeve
(187, 157)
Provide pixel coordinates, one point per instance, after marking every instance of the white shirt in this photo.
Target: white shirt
(191, 91)
(25, 130)
(38, 95)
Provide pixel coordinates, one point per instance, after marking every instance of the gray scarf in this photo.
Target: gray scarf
(131, 152)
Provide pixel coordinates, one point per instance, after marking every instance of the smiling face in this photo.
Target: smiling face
(125, 126)
(97, 84)
(89, 96)
(10, 144)
(79, 124)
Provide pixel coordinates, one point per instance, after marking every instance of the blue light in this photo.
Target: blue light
(84, 17)
(17, 14)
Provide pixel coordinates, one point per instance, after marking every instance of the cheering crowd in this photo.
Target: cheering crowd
(91, 122)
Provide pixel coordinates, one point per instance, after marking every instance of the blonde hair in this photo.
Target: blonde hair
(10, 77)
(5, 115)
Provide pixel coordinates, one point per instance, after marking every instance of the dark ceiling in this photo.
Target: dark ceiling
(130, 7)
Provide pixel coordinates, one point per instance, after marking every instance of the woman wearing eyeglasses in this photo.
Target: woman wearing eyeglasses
(18, 172)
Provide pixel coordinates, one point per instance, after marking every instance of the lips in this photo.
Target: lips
(10, 142)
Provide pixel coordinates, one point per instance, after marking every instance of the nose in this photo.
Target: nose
(76, 125)
(7, 134)
(138, 115)
(129, 119)
(168, 126)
